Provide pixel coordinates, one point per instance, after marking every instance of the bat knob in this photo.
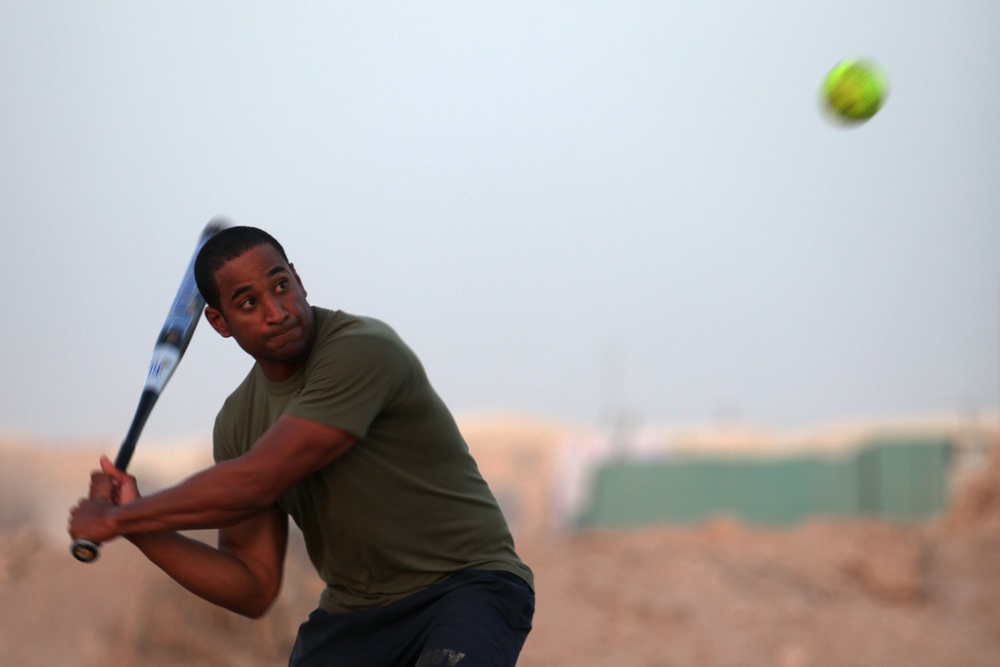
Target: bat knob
(85, 551)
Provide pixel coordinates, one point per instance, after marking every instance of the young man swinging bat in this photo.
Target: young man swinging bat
(337, 426)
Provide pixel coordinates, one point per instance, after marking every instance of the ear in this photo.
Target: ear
(218, 321)
(297, 279)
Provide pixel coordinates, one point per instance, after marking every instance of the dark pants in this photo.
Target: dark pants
(475, 618)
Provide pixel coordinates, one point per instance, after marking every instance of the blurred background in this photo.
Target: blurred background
(567, 209)
(694, 332)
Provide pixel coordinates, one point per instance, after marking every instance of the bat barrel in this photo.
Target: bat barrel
(170, 347)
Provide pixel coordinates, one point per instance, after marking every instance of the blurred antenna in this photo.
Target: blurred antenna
(611, 380)
(614, 416)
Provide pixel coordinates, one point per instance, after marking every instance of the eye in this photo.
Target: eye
(248, 304)
(282, 285)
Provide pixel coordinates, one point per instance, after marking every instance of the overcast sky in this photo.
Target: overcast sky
(566, 208)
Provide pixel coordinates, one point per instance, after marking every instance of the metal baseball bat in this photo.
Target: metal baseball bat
(170, 346)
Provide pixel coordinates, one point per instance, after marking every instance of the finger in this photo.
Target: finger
(102, 487)
(109, 469)
(107, 466)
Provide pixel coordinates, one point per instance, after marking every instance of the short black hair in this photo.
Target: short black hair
(226, 245)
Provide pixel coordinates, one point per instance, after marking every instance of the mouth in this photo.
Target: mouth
(282, 335)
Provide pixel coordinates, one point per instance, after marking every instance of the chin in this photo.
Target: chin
(290, 352)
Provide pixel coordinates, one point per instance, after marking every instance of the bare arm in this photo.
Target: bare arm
(225, 494)
(242, 575)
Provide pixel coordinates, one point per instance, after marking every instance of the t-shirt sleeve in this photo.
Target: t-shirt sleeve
(223, 438)
(352, 380)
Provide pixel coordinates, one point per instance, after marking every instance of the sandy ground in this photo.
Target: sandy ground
(823, 593)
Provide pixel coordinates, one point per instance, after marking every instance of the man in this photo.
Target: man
(337, 426)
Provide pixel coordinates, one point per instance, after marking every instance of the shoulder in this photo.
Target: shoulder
(358, 366)
(344, 331)
(338, 324)
(354, 349)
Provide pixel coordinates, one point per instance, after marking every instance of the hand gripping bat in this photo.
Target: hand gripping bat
(170, 347)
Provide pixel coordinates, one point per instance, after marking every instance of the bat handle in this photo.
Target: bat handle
(85, 551)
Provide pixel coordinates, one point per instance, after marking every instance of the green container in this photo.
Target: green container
(891, 479)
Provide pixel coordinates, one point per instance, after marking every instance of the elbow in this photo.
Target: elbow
(262, 499)
(254, 612)
(262, 605)
(254, 608)
(257, 492)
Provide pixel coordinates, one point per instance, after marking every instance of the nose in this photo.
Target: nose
(274, 311)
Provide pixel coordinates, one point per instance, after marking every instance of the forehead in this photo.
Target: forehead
(255, 264)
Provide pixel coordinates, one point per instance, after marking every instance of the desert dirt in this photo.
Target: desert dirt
(832, 593)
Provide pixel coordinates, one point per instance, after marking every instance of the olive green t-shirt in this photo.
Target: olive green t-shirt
(405, 506)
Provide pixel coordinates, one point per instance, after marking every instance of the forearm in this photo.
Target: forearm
(212, 574)
(216, 497)
(225, 494)
(239, 488)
